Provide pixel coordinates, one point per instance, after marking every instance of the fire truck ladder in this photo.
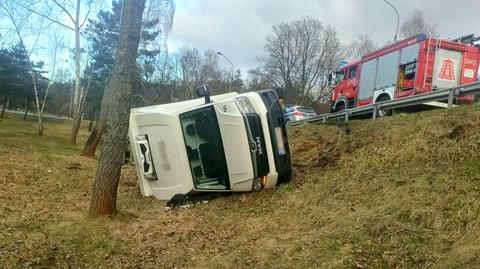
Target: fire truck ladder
(430, 62)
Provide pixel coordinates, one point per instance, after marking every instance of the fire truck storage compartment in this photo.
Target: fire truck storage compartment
(387, 74)
(367, 79)
(447, 69)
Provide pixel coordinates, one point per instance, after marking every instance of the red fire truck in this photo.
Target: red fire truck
(416, 65)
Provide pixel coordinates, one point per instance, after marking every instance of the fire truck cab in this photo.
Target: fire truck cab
(346, 81)
(416, 65)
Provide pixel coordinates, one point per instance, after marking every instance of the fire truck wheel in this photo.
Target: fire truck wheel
(384, 112)
(340, 106)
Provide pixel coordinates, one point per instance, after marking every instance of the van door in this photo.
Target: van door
(447, 69)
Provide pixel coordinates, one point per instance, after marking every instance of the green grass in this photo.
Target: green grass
(399, 192)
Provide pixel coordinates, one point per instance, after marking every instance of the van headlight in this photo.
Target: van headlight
(144, 157)
(245, 105)
(259, 183)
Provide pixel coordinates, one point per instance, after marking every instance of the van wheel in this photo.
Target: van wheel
(384, 112)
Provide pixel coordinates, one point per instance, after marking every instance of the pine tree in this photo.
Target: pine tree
(16, 83)
(103, 36)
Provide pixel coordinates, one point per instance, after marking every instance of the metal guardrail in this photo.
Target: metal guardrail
(437, 95)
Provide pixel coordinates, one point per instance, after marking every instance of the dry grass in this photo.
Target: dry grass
(401, 192)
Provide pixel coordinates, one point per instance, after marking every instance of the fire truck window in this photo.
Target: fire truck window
(410, 70)
(409, 54)
(339, 76)
(387, 70)
(352, 71)
(367, 79)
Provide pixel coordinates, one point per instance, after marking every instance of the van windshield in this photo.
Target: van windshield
(204, 147)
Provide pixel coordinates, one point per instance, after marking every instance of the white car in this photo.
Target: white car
(295, 113)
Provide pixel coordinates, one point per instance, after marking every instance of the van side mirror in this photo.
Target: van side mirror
(203, 91)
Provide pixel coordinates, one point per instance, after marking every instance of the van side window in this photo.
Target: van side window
(352, 72)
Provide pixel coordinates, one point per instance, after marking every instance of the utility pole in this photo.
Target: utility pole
(231, 72)
(398, 19)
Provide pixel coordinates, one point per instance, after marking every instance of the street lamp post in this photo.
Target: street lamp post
(398, 19)
(231, 72)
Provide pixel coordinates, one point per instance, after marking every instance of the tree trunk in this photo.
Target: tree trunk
(27, 102)
(90, 126)
(5, 104)
(37, 103)
(95, 136)
(104, 196)
(75, 127)
(93, 116)
(70, 107)
(76, 93)
(40, 126)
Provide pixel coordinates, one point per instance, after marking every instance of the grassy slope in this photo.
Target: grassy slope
(399, 192)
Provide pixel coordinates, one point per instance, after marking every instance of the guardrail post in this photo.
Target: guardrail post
(346, 115)
(324, 119)
(375, 110)
(451, 95)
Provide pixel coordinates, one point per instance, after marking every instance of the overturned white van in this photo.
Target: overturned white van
(235, 143)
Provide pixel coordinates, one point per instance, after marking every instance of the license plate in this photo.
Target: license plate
(279, 138)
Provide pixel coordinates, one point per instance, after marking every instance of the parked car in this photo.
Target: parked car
(294, 113)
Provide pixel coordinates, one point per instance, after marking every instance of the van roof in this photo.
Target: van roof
(180, 107)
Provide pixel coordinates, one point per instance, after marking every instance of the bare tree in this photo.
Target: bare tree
(359, 47)
(189, 61)
(56, 43)
(318, 54)
(258, 80)
(298, 56)
(417, 24)
(53, 11)
(194, 67)
(164, 79)
(281, 57)
(104, 196)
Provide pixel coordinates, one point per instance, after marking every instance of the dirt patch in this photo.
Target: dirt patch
(306, 145)
(329, 155)
(461, 132)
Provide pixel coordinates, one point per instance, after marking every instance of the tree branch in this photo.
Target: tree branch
(64, 10)
(88, 13)
(44, 16)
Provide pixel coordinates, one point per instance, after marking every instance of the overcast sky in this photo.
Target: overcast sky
(238, 27)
